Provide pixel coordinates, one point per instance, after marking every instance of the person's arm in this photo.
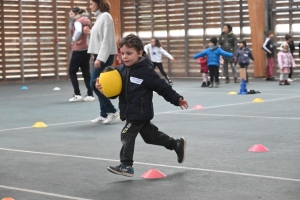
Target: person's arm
(78, 31)
(279, 58)
(146, 48)
(166, 53)
(265, 46)
(200, 54)
(235, 45)
(159, 85)
(251, 55)
(225, 53)
(107, 29)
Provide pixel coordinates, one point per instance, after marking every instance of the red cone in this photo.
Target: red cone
(152, 174)
(258, 148)
(198, 107)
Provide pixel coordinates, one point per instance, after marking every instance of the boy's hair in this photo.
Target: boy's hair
(157, 42)
(77, 10)
(269, 33)
(244, 42)
(132, 41)
(287, 37)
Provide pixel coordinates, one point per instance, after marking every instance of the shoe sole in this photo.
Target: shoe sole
(184, 153)
(88, 100)
(76, 100)
(119, 173)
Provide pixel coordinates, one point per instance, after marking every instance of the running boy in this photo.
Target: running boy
(269, 49)
(136, 106)
(213, 55)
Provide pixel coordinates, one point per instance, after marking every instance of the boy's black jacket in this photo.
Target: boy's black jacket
(138, 83)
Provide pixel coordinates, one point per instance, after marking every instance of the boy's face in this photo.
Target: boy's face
(153, 42)
(271, 35)
(211, 44)
(130, 55)
(241, 45)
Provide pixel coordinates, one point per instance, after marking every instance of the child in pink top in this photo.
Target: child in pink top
(285, 62)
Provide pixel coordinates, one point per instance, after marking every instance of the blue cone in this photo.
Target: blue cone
(24, 88)
(243, 89)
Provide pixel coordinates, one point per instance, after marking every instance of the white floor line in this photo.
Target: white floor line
(220, 93)
(42, 193)
(76, 122)
(157, 165)
(159, 113)
(41, 95)
(245, 116)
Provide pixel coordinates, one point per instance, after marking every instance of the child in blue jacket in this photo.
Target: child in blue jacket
(213, 55)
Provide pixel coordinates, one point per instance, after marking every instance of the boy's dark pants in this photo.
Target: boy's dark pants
(214, 74)
(149, 133)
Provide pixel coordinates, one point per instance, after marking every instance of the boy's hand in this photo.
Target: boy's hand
(183, 104)
(98, 86)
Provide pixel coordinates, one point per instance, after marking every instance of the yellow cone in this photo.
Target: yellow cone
(257, 100)
(232, 93)
(39, 125)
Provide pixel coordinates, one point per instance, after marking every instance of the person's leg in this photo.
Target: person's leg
(211, 74)
(162, 71)
(85, 69)
(154, 65)
(247, 78)
(225, 70)
(268, 76)
(128, 136)
(286, 76)
(216, 75)
(105, 103)
(271, 67)
(234, 72)
(291, 73)
(151, 135)
(73, 69)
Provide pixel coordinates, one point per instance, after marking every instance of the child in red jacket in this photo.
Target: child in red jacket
(204, 70)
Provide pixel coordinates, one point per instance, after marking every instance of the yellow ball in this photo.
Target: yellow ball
(111, 82)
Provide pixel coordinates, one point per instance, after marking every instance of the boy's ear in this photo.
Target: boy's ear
(141, 53)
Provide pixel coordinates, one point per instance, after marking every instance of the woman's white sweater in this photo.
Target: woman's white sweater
(102, 37)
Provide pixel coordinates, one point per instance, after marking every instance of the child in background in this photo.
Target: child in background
(285, 63)
(139, 80)
(213, 54)
(242, 57)
(268, 47)
(155, 50)
(204, 70)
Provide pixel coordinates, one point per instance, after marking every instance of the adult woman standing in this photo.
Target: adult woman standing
(80, 57)
(103, 45)
(228, 42)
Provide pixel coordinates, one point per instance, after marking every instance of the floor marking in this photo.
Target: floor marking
(42, 193)
(159, 113)
(76, 122)
(30, 96)
(246, 116)
(157, 165)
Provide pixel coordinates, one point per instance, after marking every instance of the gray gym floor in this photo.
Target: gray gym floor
(68, 159)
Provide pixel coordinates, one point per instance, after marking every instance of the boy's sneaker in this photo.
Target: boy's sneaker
(88, 98)
(122, 169)
(111, 117)
(180, 149)
(75, 98)
(211, 85)
(98, 119)
(216, 85)
(290, 80)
